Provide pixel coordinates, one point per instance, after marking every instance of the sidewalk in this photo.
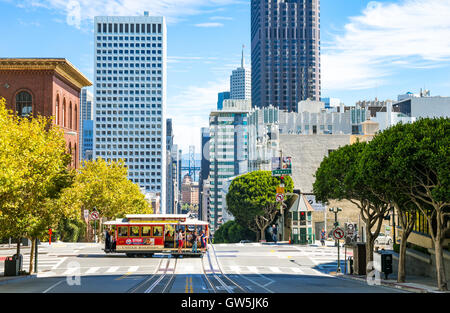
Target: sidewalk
(13, 279)
(417, 284)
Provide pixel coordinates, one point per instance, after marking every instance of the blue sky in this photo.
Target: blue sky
(369, 48)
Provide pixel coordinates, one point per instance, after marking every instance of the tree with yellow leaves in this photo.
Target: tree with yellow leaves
(33, 169)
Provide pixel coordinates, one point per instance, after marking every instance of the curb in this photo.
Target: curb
(13, 280)
(388, 284)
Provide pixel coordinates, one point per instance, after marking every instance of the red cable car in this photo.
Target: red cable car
(146, 234)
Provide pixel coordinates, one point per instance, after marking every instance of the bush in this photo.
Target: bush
(71, 230)
(232, 232)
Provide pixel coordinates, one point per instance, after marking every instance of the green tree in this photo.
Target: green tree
(420, 168)
(33, 170)
(252, 199)
(339, 178)
(379, 172)
(104, 186)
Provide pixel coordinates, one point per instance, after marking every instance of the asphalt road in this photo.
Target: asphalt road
(227, 268)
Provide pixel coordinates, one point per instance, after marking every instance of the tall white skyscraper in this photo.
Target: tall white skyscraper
(130, 96)
(241, 82)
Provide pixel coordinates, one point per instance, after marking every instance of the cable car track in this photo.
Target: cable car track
(160, 281)
(219, 275)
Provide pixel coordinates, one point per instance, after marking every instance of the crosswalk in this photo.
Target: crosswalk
(98, 271)
(288, 270)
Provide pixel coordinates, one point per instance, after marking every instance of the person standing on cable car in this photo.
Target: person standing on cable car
(180, 240)
(194, 242)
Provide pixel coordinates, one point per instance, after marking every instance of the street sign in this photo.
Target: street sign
(280, 189)
(280, 197)
(86, 214)
(94, 215)
(350, 233)
(282, 172)
(281, 166)
(338, 233)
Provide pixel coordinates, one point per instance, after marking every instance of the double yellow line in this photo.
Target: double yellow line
(189, 286)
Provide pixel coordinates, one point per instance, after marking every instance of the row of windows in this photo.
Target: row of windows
(138, 231)
(115, 38)
(126, 99)
(131, 45)
(128, 28)
(120, 72)
(155, 65)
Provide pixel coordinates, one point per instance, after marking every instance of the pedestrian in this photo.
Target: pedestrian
(322, 237)
(274, 234)
(180, 240)
(194, 242)
(202, 240)
(107, 241)
(113, 241)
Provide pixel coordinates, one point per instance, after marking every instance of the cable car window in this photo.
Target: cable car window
(146, 231)
(123, 231)
(134, 231)
(157, 231)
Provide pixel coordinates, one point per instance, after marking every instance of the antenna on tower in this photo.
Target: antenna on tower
(243, 59)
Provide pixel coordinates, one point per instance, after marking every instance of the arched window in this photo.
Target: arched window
(57, 110)
(24, 103)
(64, 113)
(75, 156)
(70, 115)
(76, 117)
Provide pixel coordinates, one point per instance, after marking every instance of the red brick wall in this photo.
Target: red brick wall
(45, 87)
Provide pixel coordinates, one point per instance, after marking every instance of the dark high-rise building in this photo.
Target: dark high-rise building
(285, 37)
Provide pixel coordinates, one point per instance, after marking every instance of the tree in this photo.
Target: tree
(421, 170)
(232, 232)
(251, 199)
(377, 167)
(33, 170)
(104, 186)
(339, 177)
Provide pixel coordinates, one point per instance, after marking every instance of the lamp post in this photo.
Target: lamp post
(336, 224)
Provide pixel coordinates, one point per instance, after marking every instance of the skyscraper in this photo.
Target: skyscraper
(228, 152)
(285, 36)
(130, 96)
(240, 82)
(86, 121)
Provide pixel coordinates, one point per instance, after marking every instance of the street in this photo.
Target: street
(226, 268)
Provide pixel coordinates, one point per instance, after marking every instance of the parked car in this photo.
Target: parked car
(383, 239)
(245, 241)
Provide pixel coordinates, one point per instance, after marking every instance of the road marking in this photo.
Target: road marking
(235, 269)
(275, 269)
(59, 263)
(296, 270)
(112, 269)
(92, 270)
(133, 269)
(53, 286)
(252, 269)
(71, 271)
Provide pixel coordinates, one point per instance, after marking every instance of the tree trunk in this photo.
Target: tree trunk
(369, 245)
(18, 246)
(401, 276)
(263, 234)
(33, 244)
(440, 269)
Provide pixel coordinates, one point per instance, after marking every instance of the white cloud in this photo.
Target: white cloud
(173, 10)
(209, 25)
(224, 18)
(385, 38)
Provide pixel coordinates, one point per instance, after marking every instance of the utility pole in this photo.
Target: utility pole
(336, 224)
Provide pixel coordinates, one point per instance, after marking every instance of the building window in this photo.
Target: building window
(70, 115)
(57, 109)
(24, 104)
(64, 113)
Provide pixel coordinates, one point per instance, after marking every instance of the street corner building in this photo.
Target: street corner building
(49, 87)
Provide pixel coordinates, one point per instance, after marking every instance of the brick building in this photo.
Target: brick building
(48, 87)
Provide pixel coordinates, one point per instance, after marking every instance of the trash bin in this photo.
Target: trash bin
(383, 262)
(350, 265)
(13, 265)
(359, 258)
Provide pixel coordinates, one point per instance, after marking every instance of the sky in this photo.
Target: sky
(368, 48)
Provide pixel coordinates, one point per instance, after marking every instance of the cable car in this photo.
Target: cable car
(146, 234)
